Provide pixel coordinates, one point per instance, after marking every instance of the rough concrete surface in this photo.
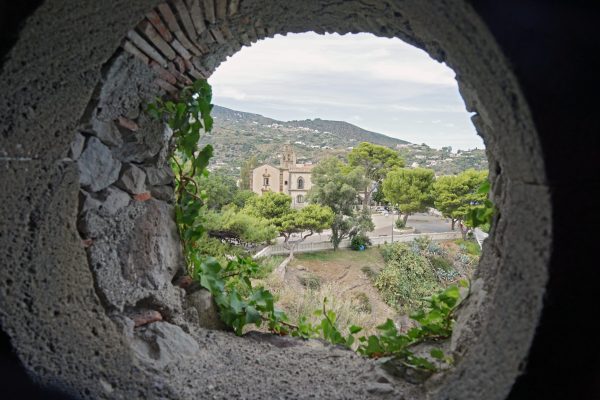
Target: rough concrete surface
(65, 293)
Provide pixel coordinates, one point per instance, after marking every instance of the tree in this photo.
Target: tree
(303, 223)
(219, 189)
(241, 197)
(246, 171)
(455, 196)
(336, 185)
(289, 222)
(376, 161)
(378, 197)
(446, 151)
(238, 227)
(271, 206)
(409, 190)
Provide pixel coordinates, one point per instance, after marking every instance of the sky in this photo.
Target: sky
(379, 84)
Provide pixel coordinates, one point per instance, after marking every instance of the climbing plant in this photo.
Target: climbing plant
(187, 116)
(238, 301)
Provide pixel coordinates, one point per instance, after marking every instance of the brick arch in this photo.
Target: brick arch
(52, 276)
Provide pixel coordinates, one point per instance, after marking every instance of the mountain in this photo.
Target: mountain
(238, 135)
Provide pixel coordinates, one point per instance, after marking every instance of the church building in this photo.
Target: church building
(290, 178)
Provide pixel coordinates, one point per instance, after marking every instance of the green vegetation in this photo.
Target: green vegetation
(218, 190)
(246, 170)
(368, 271)
(360, 242)
(483, 212)
(458, 196)
(336, 185)
(238, 135)
(414, 271)
(311, 282)
(407, 278)
(239, 303)
(400, 223)
(276, 209)
(215, 235)
(409, 190)
(436, 321)
(238, 227)
(469, 246)
(376, 161)
(346, 256)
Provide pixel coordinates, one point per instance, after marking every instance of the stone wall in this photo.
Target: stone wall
(126, 217)
(67, 326)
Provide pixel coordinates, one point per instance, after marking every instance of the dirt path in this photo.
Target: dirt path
(344, 269)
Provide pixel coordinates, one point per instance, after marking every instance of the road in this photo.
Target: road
(423, 223)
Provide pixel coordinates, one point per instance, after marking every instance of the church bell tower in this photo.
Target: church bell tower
(288, 157)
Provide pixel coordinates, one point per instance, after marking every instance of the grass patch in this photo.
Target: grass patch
(369, 255)
(469, 246)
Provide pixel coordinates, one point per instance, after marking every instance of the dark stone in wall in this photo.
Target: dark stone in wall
(97, 167)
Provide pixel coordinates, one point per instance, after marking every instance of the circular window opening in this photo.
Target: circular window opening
(294, 116)
(125, 216)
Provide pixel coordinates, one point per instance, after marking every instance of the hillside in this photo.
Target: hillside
(238, 135)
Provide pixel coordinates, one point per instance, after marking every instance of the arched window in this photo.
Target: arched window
(300, 183)
(299, 199)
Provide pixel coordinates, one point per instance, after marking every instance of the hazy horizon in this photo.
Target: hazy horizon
(378, 84)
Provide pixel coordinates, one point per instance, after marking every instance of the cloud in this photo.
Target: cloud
(387, 83)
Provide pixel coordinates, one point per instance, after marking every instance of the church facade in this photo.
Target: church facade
(290, 178)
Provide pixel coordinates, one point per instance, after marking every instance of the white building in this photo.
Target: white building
(290, 178)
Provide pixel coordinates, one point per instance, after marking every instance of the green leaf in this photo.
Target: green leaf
(355, 329)
(236, 303)
(484, 188)
(252, 315)
(437, 353)
(422, 363)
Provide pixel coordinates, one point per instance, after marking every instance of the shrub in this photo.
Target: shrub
(406, 279)
(311, 282)
(444, 268)
(400, 223)
(360, 242)
(387, 251)
(420, 244)
(441, 263)
(435, 249)
(208, 246)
